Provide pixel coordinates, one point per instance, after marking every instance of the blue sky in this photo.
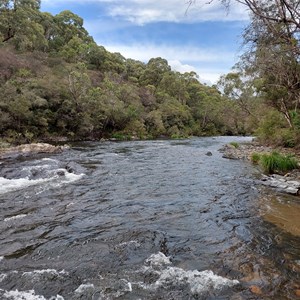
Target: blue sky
(205, 39)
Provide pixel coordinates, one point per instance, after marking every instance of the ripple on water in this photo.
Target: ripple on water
(149, 220)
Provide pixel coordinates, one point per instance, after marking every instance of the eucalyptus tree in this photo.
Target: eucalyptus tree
(68, 26)
(19, 24)
(273, 55)
(154, 72)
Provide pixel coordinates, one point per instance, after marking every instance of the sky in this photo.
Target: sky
(204, 38)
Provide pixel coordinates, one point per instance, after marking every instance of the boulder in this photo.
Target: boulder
(29, 149)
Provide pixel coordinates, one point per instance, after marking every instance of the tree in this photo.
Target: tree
(175, 85)
(274, 53)
(154, 72)
(134, 70)
(19, 24)
(240, 90)
(79, 84)
(68, 27)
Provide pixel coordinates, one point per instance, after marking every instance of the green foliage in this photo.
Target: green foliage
(255, 157)
(234, 144)
(20, 26)
(272, 130)
(276, 162)
(55, 81)
(121, 136)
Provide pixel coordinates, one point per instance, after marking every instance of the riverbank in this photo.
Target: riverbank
(287, 183)
(245, 150)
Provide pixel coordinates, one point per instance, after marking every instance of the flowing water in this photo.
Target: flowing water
(141, 220)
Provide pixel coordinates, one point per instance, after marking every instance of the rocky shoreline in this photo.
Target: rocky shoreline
(288, 183)
(30, 149)
(243, 151)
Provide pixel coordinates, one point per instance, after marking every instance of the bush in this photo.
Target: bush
(277, 163)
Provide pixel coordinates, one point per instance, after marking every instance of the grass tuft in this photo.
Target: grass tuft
(255, 157)
(277, 163)
(234, 144)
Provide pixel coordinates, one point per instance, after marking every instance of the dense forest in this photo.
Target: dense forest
(57, 83)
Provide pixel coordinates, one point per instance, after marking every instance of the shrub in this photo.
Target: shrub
(276, 162)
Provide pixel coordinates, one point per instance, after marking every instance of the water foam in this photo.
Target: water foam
(27, 295)
(158, 259)
(49, 159)
(2, 277)
(133, 242)
(15, 217)
(45, 271)
(199, 282)
(83, 287)
(168, 276)
(10, 185)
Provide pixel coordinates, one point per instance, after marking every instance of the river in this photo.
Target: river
(160, 219)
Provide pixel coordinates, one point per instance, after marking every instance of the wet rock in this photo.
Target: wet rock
(69, 169)
(60, 173)
(282, 184)
(164, 247)
(208, 153)
(255, 289)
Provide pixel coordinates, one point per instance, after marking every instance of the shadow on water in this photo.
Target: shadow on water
(143, 220)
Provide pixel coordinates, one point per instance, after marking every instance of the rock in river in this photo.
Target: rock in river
(28, 149)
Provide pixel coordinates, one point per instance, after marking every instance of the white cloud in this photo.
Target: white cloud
(144, 52)
(147, 11)
(209, 64)
(204, 76)
(180, 67)
(144, 11)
